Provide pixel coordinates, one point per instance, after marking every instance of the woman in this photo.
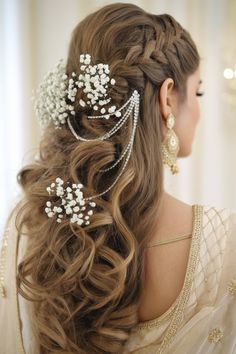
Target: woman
(121, 266)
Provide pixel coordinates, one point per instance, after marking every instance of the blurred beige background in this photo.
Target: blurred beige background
(34, 34)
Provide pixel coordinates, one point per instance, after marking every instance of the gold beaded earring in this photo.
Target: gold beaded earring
(170, 145)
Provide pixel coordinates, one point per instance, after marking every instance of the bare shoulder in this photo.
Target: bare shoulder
(165, 265)
(175, 217)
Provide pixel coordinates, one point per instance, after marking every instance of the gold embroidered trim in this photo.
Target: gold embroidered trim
(197, 211)
(215, 335)
(156, 322)
(192, 264)
(3, 256)
(232, 287)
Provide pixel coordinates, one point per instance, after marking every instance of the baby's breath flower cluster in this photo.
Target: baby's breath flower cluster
(95, 82)
(72, 202)
(56, 95)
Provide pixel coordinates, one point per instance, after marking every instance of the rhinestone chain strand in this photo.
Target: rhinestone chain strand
(134, 104)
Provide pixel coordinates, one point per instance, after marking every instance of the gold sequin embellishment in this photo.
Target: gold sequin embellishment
(3, 255)
(215, 335)
(232, 287)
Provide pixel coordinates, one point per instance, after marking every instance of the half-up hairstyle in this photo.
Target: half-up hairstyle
(85, 282)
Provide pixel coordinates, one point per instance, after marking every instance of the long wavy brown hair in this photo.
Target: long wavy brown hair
(85, 282)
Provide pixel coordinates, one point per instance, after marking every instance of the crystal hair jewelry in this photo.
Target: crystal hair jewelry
(55, 103)
(170, 145)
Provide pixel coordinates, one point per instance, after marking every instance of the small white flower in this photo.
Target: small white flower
(82, 103)
(79, 193)
(68, 211)
(93, 71)
(118, 114)
(74, 218)
(69, 196)
(58, 180)
(59, 191)
(112, 109)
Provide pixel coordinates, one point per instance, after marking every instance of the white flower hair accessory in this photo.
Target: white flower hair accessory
(56, 94)
(72, 202)
(95, 82)
(55, 103)
(55, 97)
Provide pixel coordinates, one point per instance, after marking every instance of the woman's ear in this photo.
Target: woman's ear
(167, 101)
(166, 97)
